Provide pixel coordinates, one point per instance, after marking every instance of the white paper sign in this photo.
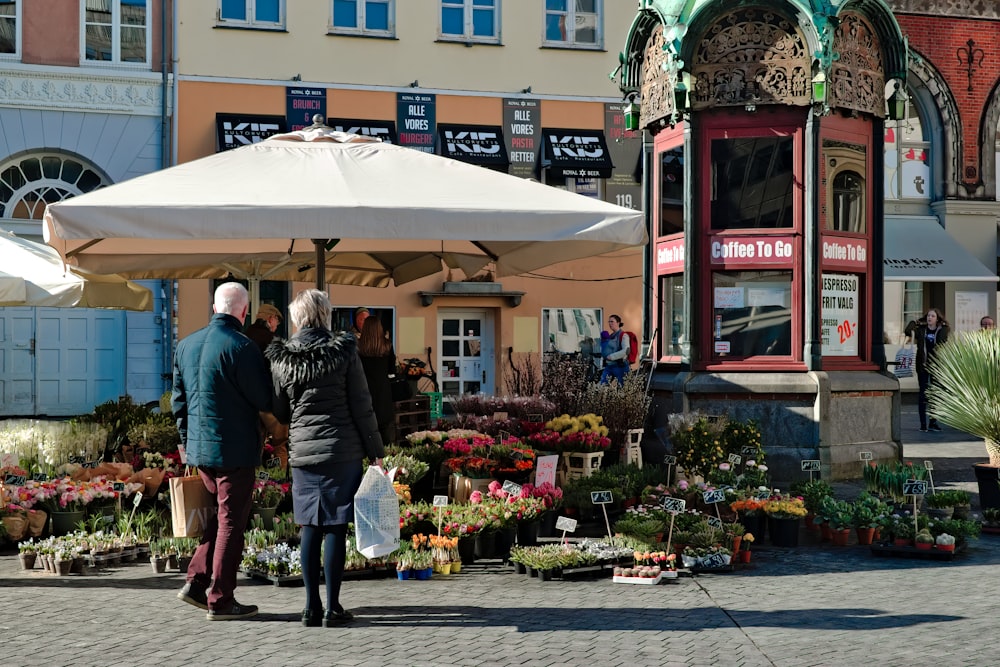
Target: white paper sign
(840, 315)
(566, 523)
(545, 470)
(728, 297)
(767, 296)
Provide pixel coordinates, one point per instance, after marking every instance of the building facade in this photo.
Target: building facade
(814, 187)
(84, 103)
(518, 87)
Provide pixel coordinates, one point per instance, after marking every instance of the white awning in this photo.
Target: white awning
(919, 248)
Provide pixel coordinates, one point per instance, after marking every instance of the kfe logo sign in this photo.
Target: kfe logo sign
(571, 146)
(487, 143)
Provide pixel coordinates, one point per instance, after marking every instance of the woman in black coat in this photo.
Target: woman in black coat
(379, 361)
(928, 333)
(321, 392)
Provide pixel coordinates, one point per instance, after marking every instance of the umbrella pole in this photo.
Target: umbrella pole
(253, 288)
(320, 245)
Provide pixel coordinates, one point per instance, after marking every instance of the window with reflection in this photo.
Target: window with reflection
(672, 315)
(752, 180)
(907, 157)
(672, 191)
(752, 313)
(848, 203)
(9, 12)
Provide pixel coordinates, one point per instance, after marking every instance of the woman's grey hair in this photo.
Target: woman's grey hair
(310, 308)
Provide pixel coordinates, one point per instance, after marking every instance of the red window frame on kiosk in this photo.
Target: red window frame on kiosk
(668, 252)
(750, 252)
(845, 256)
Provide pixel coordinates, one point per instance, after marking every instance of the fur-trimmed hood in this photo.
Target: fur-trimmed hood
(309, 355)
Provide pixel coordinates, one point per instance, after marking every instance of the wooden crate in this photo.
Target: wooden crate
(412, 415)
(632, 449)
(581, 465)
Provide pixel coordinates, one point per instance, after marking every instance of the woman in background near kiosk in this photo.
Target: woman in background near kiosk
(379, 362)
(927, 333)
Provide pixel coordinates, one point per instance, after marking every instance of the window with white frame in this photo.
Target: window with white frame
(576, 23)
(264, 14)
(116, 31)
(364, 17)
(10, 27)
(907, 157)
(471, 20)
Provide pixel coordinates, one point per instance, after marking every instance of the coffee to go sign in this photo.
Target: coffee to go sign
(752, 250)
(850, 253)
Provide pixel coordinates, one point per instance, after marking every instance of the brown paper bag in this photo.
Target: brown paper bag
(191, 506)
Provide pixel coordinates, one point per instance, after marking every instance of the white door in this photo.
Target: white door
(17, 361)
(466, 354)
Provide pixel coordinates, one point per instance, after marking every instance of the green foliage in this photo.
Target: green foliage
(410, 468)
(701, 443)
(812, 493)
(887, 480)
(966, 390)
(118, 417)
(157, 433)
(640, 527)
(867, 511)
(947, 498)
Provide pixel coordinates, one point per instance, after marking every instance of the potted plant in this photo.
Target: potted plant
(812, 493)
(939, 505)
(746, 544)
(969, 362)
(158, 555)
(783, 514)
(27, 554)
(841, 519)
(866, 514)
(924, 539)
(944, 542)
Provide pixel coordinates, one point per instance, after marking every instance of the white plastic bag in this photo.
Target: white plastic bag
(904, 362)
(376, 514)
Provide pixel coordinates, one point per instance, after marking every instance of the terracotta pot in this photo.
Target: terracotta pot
(809, 522)
(841, 537)
(944, 547)
(902, 542)
(865, 535)
(744, 556)
(825, 532)
(737, 540)
(925, 546)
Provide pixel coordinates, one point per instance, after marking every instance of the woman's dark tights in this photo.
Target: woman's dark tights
(333, 540)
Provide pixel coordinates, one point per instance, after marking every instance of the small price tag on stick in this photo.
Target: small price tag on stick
(566, 525)
(440, 502)
(929, 466)
(810, 466)
(512, 488)
(714, 497)
(603, 498)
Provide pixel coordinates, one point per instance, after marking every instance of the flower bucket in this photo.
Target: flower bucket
(266, 515)
(63, 567)
(467, 549)
(445, 568)
(16, 526)
(403, 574)
(744, 556)
(36, 522)
(784, 532)
(159, 565)
(486, 544)
(925, 546)
(527, 533)
(944, 547)
(456, 566)
(28, 561)
(423, 575)
(64, 523)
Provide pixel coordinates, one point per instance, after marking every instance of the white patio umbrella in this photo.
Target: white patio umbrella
(32, 274)
(365, 211)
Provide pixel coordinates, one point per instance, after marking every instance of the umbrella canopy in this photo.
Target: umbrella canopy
(370, 212)
(32, 274)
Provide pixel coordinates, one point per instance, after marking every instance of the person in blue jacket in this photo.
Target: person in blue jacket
(221, 385)
(615, 352)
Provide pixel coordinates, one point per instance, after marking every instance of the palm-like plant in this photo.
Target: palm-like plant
(965, 391)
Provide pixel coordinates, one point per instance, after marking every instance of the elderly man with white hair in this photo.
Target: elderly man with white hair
(221, 385)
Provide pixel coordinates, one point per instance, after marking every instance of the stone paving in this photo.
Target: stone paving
(809, 606)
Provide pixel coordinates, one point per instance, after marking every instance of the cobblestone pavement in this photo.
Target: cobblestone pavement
(811, 605)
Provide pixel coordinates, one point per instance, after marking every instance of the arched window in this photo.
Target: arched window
(849, 202)
(907, 156)
(29, 183)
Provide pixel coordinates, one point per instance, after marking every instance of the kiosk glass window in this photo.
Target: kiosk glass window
(752, 313)
(672, 191)
(752, 183)
(672, 326)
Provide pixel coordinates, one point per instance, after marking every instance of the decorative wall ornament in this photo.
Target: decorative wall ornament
(857, 79)
(751, 57)
(133, 94)
(970, 57)
(656, 90)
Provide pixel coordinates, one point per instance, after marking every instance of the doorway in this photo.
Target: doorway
(467, 358)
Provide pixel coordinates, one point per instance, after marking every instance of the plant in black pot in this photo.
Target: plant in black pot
(965, 393)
